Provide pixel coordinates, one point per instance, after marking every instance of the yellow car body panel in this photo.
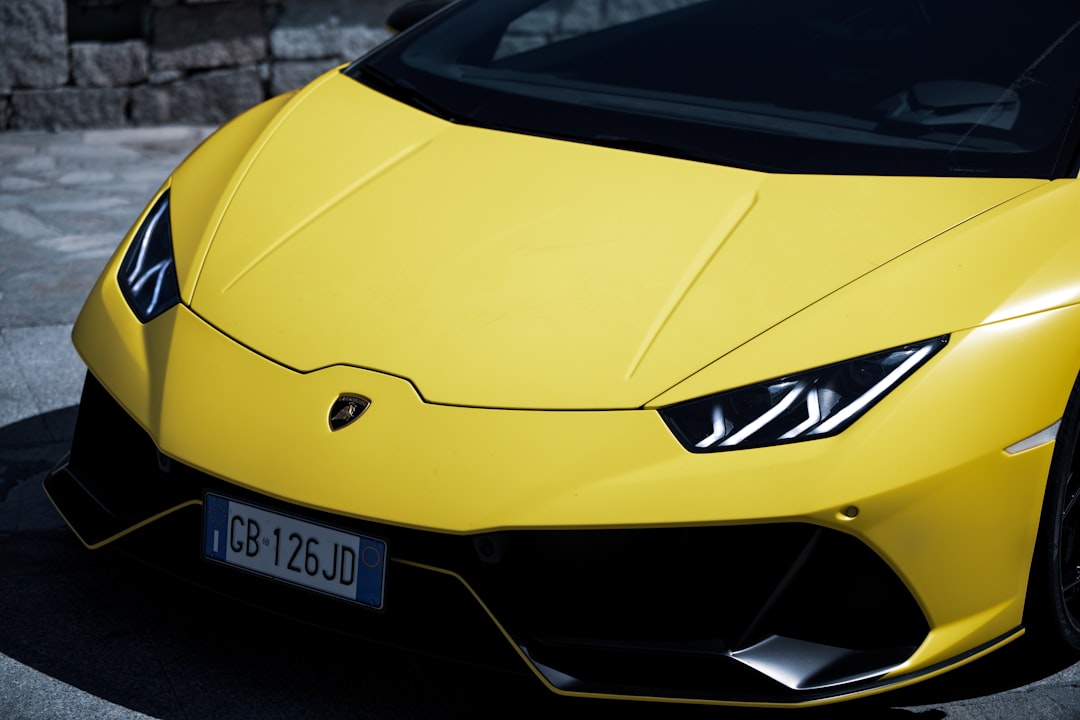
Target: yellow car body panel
(960, 281)
(622, 469)
(424, 253)
(213, 169)
(518, 308)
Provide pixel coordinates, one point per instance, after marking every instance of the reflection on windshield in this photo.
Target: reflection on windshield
(553, 22)
(772, 84)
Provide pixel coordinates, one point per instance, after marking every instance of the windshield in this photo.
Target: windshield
(895, 87)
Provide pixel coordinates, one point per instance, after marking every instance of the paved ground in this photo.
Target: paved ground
(85, 635)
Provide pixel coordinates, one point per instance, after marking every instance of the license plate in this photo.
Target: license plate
(313, 556)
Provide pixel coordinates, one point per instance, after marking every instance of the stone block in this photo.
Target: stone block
(160, 77)
(33, 44)
(212, 97)
(337, 29)
(95, 64)
(194, 37)
(68, 108)
(357, 40)
(307, 31)
(291, 74)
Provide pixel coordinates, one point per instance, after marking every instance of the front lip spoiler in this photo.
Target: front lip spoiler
(571, 686)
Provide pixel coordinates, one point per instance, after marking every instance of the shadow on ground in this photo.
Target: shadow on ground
(147, 642)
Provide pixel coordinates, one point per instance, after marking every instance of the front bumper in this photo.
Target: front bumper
(613, 562)
(782, 612)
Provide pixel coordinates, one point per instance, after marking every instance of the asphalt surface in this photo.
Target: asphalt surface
(88, 635)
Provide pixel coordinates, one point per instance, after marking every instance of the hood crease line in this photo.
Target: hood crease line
(724, 229)
(370, 177)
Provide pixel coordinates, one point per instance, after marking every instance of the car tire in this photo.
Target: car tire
(1052, 611)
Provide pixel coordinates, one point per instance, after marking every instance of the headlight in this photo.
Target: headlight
(804, 406)
(148, 274)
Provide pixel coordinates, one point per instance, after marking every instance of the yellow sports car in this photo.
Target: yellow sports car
(696, 350)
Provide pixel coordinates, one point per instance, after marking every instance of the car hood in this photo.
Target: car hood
(492, 269)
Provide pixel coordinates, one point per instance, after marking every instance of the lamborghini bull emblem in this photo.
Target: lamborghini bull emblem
(346, 410)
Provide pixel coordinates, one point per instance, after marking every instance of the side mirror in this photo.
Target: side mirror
(413, 12)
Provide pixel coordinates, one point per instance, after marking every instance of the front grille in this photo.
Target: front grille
(673, 611)
(778, 612)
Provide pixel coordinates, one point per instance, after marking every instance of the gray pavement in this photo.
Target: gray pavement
(84, 635)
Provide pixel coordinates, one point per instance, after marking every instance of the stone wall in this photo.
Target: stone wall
(110, 63)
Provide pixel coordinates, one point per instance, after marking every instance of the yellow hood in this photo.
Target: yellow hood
(499, 270)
